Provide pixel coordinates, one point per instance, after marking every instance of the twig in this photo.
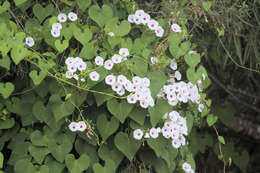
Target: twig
(220, 150)
(16, 20)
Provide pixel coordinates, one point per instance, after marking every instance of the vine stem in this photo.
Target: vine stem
(220, 150)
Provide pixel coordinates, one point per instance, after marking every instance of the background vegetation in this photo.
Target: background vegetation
(227, 32)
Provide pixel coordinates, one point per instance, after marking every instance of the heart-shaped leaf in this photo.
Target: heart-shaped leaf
(38, 153)
(128, 146)
(37, 78)
(82, 37)
(18, 53)
(61, 46)
(41, 13)
(54, 166)
(38, 139)
(192, 59)
(157, 79)
(6, 89)
(7, 124)
(107, 152)
(100, 16)
(83, 4)
(211, 120)
(19, 2)
(206, 5)
(138, 114)
(121, 29)
(79, 165)
(108, 168)
(62, 109)
(59, 151)
(5, 62)
(41, 112)
(157, 112)
(43, 169)
(4, 7)
(106, 128)
(24, 165)
(119, 109)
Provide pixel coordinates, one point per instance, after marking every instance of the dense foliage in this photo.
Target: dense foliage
(119, 86)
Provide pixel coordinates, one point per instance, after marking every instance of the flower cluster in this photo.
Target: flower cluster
(187, 168)
(74, 64)
(180, 92)
(116, 59)
(140, 17)
(78, 126)
(29, 41)
(174, 128)
(56, 27)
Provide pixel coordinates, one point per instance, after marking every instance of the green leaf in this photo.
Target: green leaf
(4, 7)
(38, 139)
(7, 124)
(38, 153)
(119, 109)
(6, 89)
(5, 62)
(54, 166)
(158, 79)
(128, 146)
(138, 65)
(157, 112)
(61, 46)
(221, 139)
(62, 109)
(19, 2)
(83, 4)
(190, 120)
(120, 29)
(18, 53)
(211, 120)
(1, 160)
(106, 128)
(138, 114)
(43, 169)
(100, 16)
(206, 5)
(192, 59)
(59, 151)
(36, 77)
(108, 168)
(79, 165)
(107, 152)
(24, 165)
(41, 13)
(83, 36)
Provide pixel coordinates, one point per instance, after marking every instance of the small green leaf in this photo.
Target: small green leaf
(38, 139)
(79, 165)
(108, 168)
(7, 124)
(83, 4)
(68, 96)
(19, 2)
(5, 62)
(106, 128)
(6, 89)
(1, 160)
(18, 53)
(157, 112)
(211, 120)
(128, 146)
(41, 13)
(119, 109)
(82, 36)
(4, 7)
(221, 139)
(61, 46)
(206, 5)
(38, 153)
(37, 77)
(100, 16)
(192, 59)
